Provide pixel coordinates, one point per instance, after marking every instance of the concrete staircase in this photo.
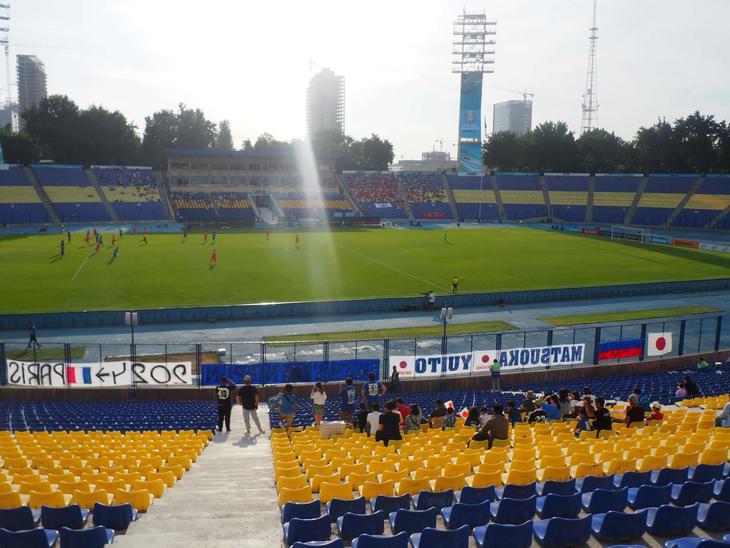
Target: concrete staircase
(403, 195)
(267, 216)
(253, 205)
(497, 198)
(545, 195)
(632, 209)
(52, 213)
(450, 195)
(162, 189)
(680, 206)
(348, 195)
(589, 200)
(719, 218)
(102, 197)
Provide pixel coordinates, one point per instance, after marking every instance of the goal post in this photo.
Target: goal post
(622, 232)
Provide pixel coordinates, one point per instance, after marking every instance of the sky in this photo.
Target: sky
(249, 62)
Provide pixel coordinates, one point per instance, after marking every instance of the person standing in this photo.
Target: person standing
(287, 407)
(373, 420)
(454, 284)
(248, 397)
(224, 398)
(389, 424)
(319, 397)
(494, 370)
(33, 336)
(63, 248)
(372, 390)
(394, 379)
(348, 401)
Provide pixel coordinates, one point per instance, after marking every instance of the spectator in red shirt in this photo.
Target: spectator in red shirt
(403, 409)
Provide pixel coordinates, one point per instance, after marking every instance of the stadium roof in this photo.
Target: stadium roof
(286, 152)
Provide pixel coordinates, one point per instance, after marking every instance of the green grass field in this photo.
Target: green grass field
(628, 315)
(341, 265)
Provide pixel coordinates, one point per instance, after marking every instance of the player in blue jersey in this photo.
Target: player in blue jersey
(348, 401)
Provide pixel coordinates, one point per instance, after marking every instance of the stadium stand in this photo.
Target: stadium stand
(711, 199)
(568, 196)
(475, 199)
(233, 206)
(298, 205)
(72, 194)
(19, 201)
(613, 196)
(132, 193)
(377, 194)
(426, 194)
(661, 197)
(522, 196)
(193, 206)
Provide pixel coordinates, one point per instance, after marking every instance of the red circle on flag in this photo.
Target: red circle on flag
(661, 343)
(485, 358)
(403, 365)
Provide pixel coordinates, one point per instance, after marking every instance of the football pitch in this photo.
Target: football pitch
(169, 271)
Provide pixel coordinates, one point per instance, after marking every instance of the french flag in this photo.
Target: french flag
(78, 375)
(614, 350)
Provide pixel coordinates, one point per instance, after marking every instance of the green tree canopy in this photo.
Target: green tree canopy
(186, 128)
(224, 139)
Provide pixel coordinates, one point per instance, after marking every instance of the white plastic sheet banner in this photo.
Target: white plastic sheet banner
(100, 375)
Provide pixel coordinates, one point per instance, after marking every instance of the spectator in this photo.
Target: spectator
(588, 406)
(528, 405)
(575, 404)
(513, 413)
(681, 391)
(372, 390)
(450, 420)
(656, 413)
(472, 418)
(403, 409)
(394, 379)
(691, 387)
(438, 415)
(287, 407)
(724, 419)
(224, 398)
(588, 393)
(551, 407)
(389, 424)
(319, 397)
(483, 416)
(564, 403)
(702, 364)
(414, 420)
(634, 413)
(496, 428)
(583, 422)
(494, 371)
(362, 418)
(348, 397)
(248, 397)
(602, 416)
(373, 419)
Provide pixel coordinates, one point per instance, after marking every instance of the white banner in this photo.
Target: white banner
(106, 374)
(480, 361)
(382, 205)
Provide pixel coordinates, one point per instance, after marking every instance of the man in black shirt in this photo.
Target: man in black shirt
(389, 424)
(634, 413)
(603, 416)
(224, 398)
(691, 387)
(248, 397)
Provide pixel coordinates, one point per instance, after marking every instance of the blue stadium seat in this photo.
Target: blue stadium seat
(499, 535)
(339, 507)
(721, 491)
(632, 479)
(669, 475)
(412, 521)
(647, 496)
(353, 525)
(334, 543)
(563, 532)
(691, 491)
(304, 510)
(694, 542)
(558, 506)
(94, 537)
(431, 537)
(475, 495)
(304, 530)
(390, 504)
(19, 519)
(430, 499)
(381, 541)
(30, 538)
(706, 472)
(117, 517)
(671, 521)
(714, 516)
(552, 487)
(71, 516)
(618, 526)
(512, 511)
(591, 483)
(511, 491)
(460, 514)
(603, 500)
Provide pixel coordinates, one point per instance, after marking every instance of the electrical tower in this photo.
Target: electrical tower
(5, 42)
(472, 58)
(590, 96)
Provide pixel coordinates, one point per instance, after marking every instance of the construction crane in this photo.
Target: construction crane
(525, 94)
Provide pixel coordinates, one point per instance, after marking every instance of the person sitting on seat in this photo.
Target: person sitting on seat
(634, 412)
(702, 364)
(450, 420)
(681, 392)
(656, 413)
(583, 422)
(496, 428)
(438, 415)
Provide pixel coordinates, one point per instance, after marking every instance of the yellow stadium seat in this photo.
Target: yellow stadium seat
(317, 479)
(6, 487)
(320, 470)
(494, 457)
(329, 491)
(74, 485)
(478, 444)
(41, 487)
(110, 485)
(581, 458)
(141, 499)
(355, 479)
(618, 466)
(408, 465)
(412, 486)
(290, 482)
(437, 462)
(156, 487)
(127, 477)
(178, 470)
(184, 461)
(443, 483)
(663, 451)
(87, 499)
(520, 477)
(550, 451)
(306, 463)
(347, 469)
(552, 461)
(714, 456)
(485, 479)
(555, 473)
(682, 460)
(54, 498)
(10, 500)
(452, 469)
(295, 494)
(585, 469)
(371, 489)
(651, 462)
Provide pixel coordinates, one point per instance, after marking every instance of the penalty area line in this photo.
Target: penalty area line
(80, 267)
(386, 265)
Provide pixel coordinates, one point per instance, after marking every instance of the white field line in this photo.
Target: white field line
(80, 267)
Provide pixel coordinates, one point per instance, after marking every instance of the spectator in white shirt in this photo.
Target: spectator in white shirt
(319, 397)
(373, 419)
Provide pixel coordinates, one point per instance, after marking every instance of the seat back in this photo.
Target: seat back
(514, 511)
(634, 479)
(567, 532)
(472, 515)
(383, 541)
(558, 487)
(707, 472)
(390, 504)
(715, 516)
(692, 491)
(651, 495)
(339, 507)
(67, 516)
(117, 516)
(498, 535)
(591, 483)
(436, 538)
(95, 537)
(413, 521)
(32, 538)
(671, 475)
(622, 526)
(669, 521)
(475, 495)
(305, 530)
(352, 525)
(518, 491)
(16, 519)
(604, 500)
(438, 500)
(305, 510)
(563, 506)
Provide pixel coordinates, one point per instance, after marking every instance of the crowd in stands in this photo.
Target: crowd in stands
(128, 185)
(191, 200)
(423, 188)
(379, 188)
(230, 200)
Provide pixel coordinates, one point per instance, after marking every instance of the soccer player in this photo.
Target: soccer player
(446, 237)
(296, 241)
(144, 237)
(116, 253)
(213, 257)
(454, 284)
(268, 234)
(68, 235)
(98, 245)
(95, 233)
(212, 238)
(87, 237)
(114, 240)
(63, 247)
(120, 233)
(101, 240)
(205, 237)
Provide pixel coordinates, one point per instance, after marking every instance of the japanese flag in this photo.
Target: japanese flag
(464, 413)
(659, 344)
(450, 404)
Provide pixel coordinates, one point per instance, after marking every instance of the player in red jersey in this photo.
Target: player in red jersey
(296, 241)
(86, 239)
(114, 240)
(205, 237)
(268, 234)
(98, 246)
(213, 258)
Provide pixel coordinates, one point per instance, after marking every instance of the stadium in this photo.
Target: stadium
(480, 353)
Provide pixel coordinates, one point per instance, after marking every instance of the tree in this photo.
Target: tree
(655, 148)
(224, 140)
(246, 145)
(266, 141)
(505, 151)
(723, 148)
(53, 124)
(186, 128)
(602, 152)
(18, 148)
(551, 147)
(107, 138)
(371, 153)
(697, 139)
(330, 142)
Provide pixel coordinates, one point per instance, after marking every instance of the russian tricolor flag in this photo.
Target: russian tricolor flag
(78, 375)
(631, 348)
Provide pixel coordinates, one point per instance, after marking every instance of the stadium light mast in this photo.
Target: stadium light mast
(472, 57)
(5, 42)
(590, 96)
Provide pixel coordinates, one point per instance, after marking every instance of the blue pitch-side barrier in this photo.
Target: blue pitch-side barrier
(290, 372)
(356, 306)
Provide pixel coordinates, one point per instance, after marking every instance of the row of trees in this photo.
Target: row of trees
(696, 143)
(58, 130)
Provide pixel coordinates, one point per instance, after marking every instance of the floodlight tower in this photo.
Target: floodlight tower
(473, 56)
(5, 42)
(590, 96)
